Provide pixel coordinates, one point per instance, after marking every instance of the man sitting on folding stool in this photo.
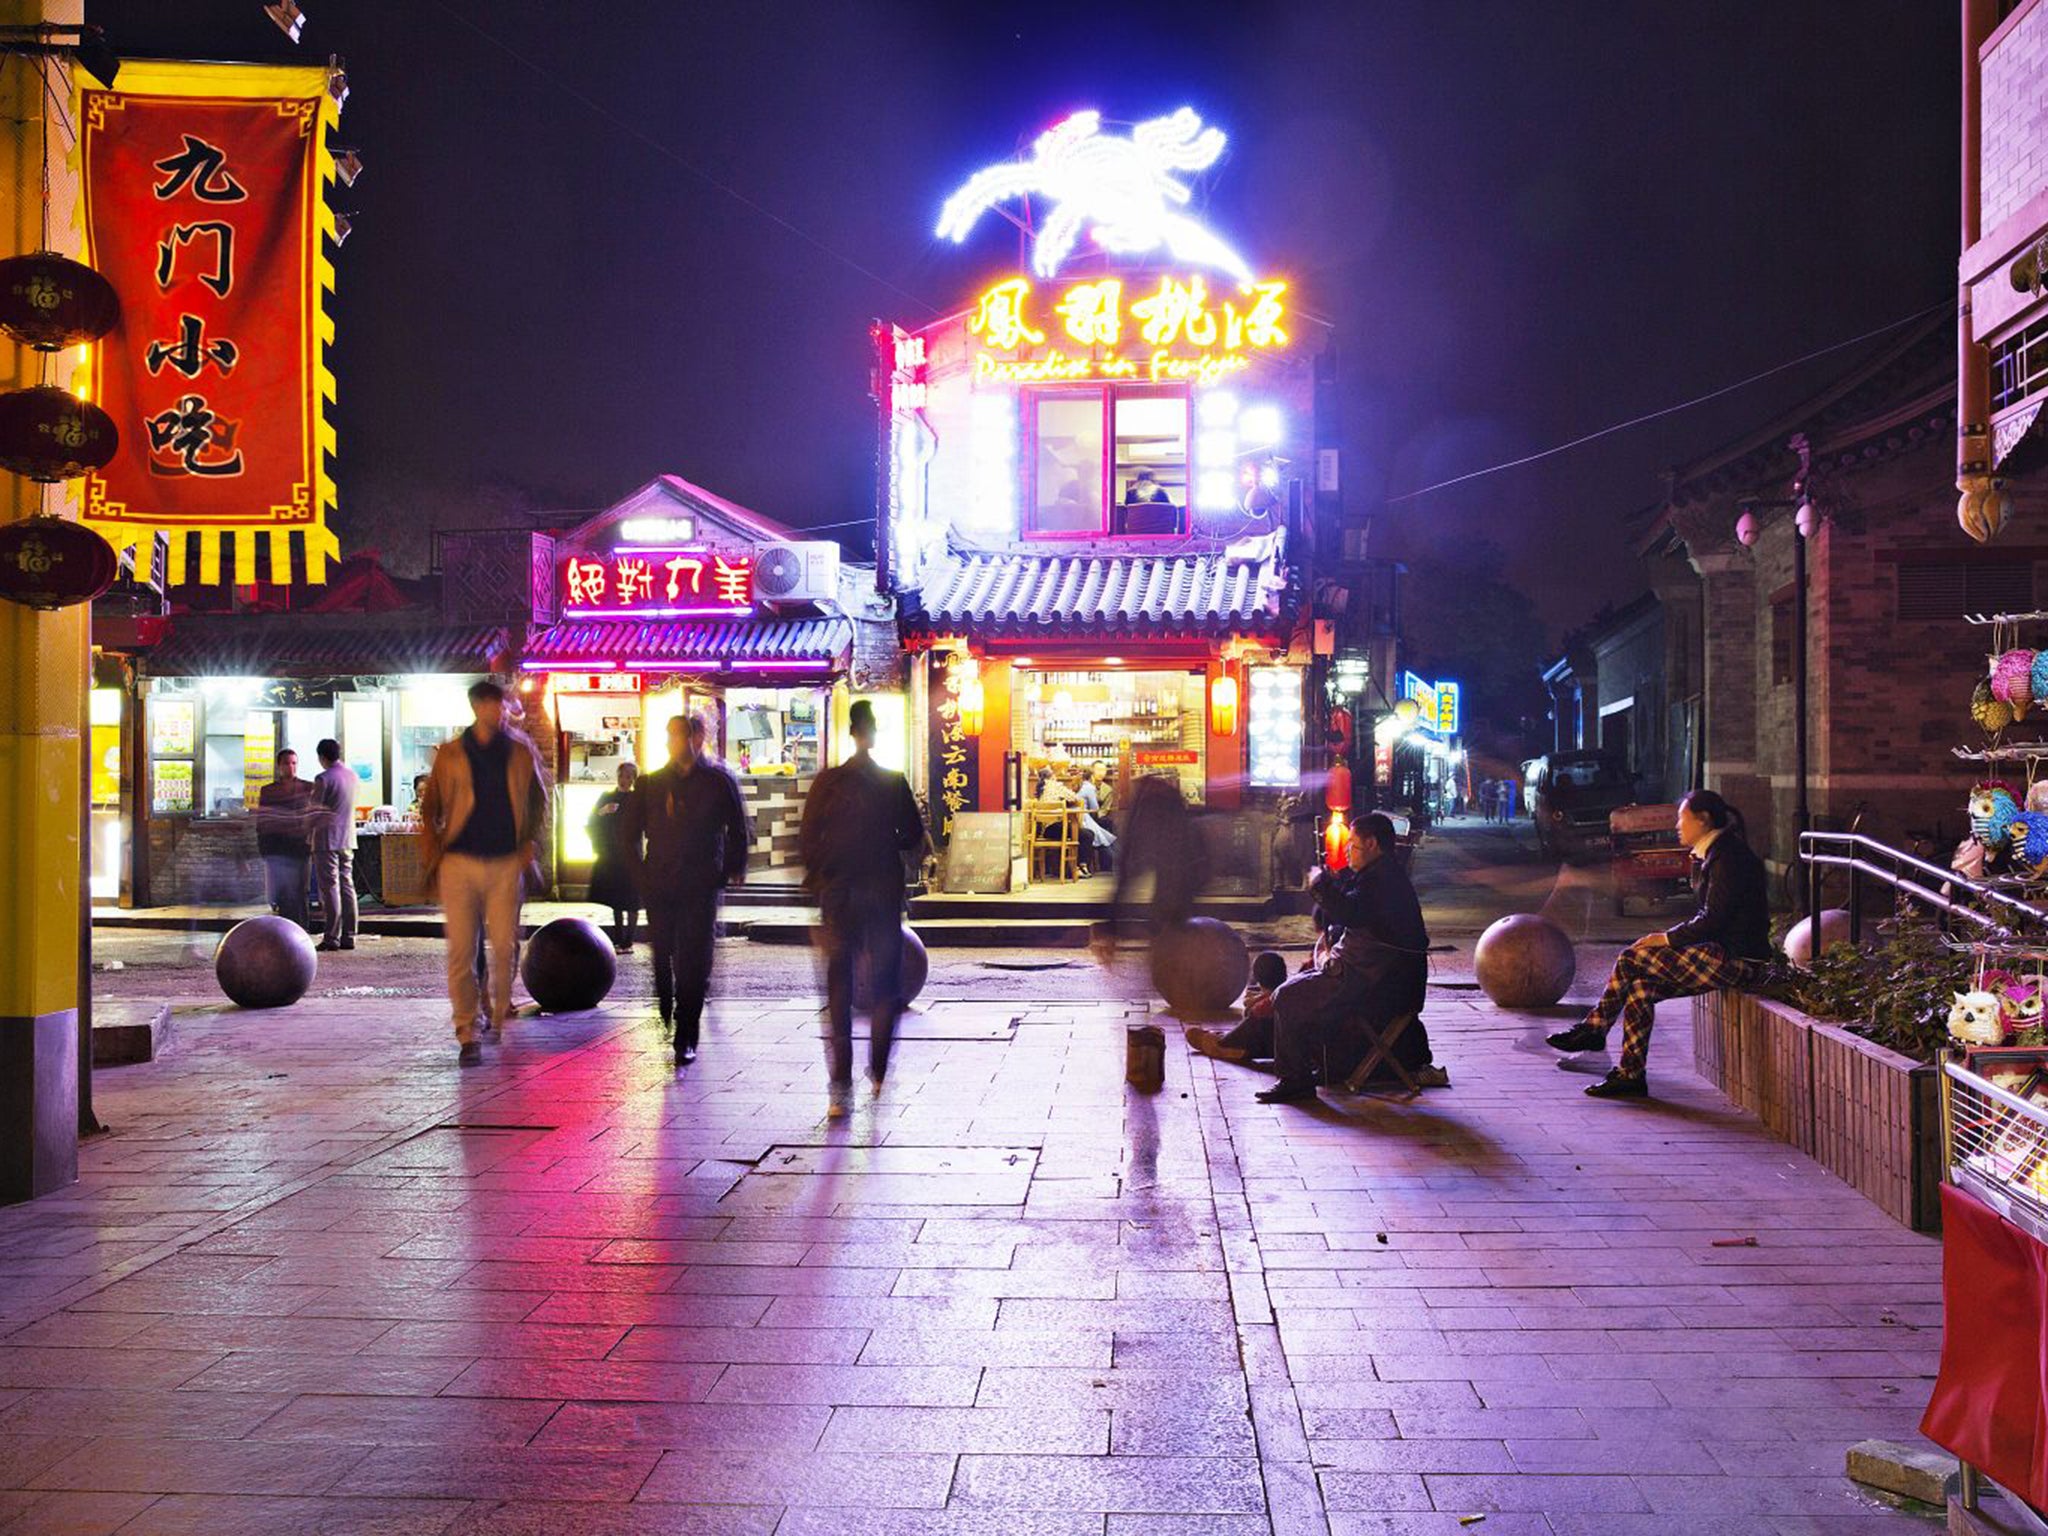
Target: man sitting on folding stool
(1361, 1002)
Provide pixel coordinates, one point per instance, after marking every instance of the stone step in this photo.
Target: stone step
(126, 1031)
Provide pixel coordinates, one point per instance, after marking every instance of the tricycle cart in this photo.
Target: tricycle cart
(1648, 859)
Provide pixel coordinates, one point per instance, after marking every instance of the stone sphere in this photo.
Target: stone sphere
(569, 965)
(1834, 929)
(265, 962)
(1525, 961)
(917, 969)
(1200, 967)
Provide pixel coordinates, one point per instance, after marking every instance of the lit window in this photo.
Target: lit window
(1150, 481)
(1067, 495)
(1274, 730)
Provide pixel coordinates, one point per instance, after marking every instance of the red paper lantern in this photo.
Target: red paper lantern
(1337, 793)
(46, 562)
(48, 433)
(50, 302)
(1336, 841)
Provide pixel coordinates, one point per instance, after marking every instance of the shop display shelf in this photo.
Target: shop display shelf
(1997, 1148)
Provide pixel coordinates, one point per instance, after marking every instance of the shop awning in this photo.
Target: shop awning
(304, 645)
(732, 646)
(1228, 592)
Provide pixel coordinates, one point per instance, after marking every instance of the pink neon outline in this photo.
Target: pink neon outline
(658, 613)
(568, 666)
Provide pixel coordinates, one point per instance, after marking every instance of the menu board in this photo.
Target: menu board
(979, 854)
(171, 793)
(259, 756)
(171, 727)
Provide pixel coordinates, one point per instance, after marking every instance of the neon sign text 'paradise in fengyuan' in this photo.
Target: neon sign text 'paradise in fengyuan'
(1179, 331)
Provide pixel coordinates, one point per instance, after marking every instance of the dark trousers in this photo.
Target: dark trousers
(683, 930)
(623, 919)
(284, 876)
(1320, 1018)
(861, 925)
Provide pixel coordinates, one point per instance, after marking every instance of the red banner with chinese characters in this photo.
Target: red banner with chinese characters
(204, 205)
(658, 583)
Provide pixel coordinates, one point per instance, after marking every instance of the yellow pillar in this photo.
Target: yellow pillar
(42, 705)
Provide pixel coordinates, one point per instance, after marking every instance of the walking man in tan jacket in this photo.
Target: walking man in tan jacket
(483, 821)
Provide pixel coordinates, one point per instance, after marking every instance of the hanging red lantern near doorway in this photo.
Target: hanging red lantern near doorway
(50, 302)
(1337, 792)
(49, 434)
(1336, 838)
(46, 562)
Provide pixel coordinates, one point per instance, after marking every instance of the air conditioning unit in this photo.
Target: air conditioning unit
(797, 573)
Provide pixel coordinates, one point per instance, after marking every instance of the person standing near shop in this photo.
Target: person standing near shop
(483, 822)
(860, 821)
(686, 839)
(611, 877)
(282, 813)
(334, 846)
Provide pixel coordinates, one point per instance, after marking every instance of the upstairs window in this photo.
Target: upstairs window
(1110, 460)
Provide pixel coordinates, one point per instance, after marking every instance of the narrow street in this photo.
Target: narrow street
(316, 1280)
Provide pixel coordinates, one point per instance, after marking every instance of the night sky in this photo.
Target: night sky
(1526, 221)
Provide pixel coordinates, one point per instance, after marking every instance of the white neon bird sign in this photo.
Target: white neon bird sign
(1121, 191)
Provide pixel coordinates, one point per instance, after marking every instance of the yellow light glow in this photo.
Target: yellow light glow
(1192, 335)
(1223, 706)
(81, 374)
(1002, 316)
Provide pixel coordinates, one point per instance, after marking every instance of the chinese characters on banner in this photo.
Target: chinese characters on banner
(955, 755)
(655, 583)
(204, 205)
(1182, 329)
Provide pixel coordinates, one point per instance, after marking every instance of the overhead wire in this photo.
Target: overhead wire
(1669, 410)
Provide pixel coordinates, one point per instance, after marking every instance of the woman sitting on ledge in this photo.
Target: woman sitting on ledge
(1726, 943)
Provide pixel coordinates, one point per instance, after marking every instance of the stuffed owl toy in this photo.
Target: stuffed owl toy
(2012, 680)
(2027, 831)
(2020, 1004)
(1974, 1019)
(1992, 809)
(1991, 714)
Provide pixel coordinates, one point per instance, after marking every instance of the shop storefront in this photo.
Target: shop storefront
(1093, 509)
(184, 746)
(676, 602)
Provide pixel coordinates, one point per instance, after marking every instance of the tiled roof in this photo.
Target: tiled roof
(1180, 594)
(274, 645)
(731, 643)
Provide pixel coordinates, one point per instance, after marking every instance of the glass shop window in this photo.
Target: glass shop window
(1067, 492)
(1150, 477)
(1109, 460)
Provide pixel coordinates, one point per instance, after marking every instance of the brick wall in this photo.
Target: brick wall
(2015, 122)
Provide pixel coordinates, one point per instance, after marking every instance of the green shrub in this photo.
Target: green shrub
(1896, 992)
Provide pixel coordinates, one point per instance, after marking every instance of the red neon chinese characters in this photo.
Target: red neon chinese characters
(656, 582)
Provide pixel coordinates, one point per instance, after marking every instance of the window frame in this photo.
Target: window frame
(1105, 393)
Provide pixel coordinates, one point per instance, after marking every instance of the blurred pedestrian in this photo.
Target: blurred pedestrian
(611, 877)
(690, 818)
(1726, 943)
(1161, 838)
(860, 821)
(483, 822)
(283, 808)
(334, 846)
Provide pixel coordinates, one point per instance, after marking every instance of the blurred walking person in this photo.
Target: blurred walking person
(860, 822)
(283, 808)
(693, 823)
(611, 877)
(483, 822)
(334, 846)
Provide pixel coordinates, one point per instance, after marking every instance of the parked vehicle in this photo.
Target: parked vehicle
(1572, 795)
(1649, 860)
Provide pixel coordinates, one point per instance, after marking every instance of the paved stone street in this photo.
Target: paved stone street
(319, 1281)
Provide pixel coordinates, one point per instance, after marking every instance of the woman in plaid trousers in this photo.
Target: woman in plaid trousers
(1726, 943)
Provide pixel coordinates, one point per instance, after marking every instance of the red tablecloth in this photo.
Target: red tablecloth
(1990, 1403)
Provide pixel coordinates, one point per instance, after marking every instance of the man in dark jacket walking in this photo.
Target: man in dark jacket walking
(1726, 943)
(686, 837)
(860, 820)
(283, 811)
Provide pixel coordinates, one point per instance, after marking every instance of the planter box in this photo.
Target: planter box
(1868, 1115)
(1877, 1124)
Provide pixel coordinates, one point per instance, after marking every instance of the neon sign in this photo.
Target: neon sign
(1178, 331)
(1121, 192)
(1439, 703)
(658, 583)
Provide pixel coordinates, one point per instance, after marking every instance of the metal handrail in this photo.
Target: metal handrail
(1998, 914)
